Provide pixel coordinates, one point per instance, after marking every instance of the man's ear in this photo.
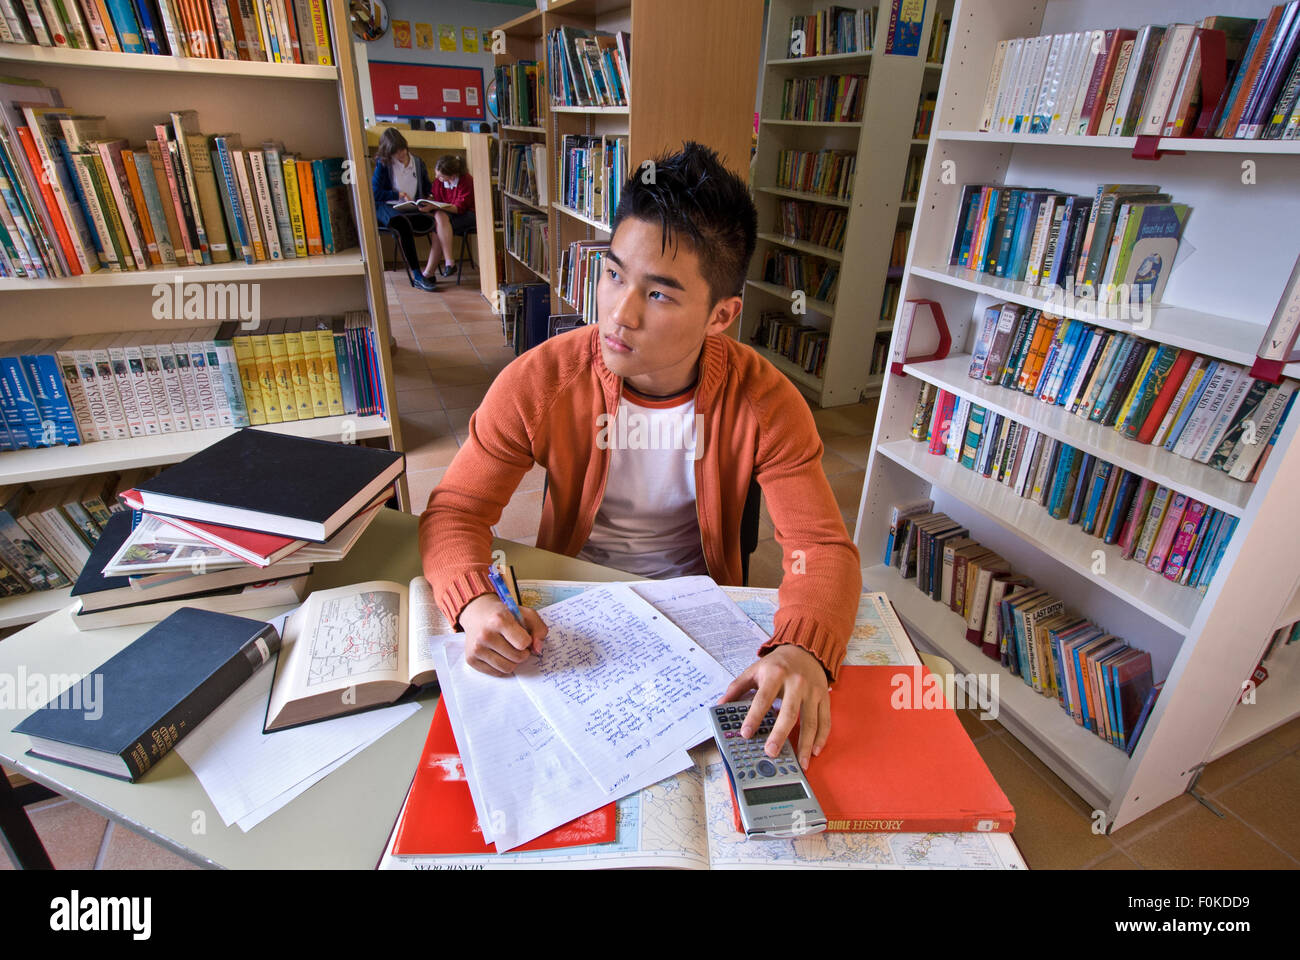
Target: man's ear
(725, 312)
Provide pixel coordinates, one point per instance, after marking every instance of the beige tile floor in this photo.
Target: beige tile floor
(449, 348)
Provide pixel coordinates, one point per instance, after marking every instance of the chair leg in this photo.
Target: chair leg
(17, 835)
(465, 251)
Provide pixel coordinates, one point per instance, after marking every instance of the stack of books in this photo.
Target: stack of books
(212, 532)
(585, 69)
(1170, 533)
(47, 534)
(826, 172)
(1116, 245)
(833, 98)
(1206, 410)
(1105, 685)
(517, 94)
(273, 31)
(78, 200)
(1149, 81)
(93, 387)
(831, 31)
(816, 277)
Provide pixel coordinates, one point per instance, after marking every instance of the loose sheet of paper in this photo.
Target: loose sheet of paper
(524, 778)
(702, 610)
(620, 684)
(243, 769)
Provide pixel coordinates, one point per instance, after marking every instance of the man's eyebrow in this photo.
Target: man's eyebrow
(655, 278)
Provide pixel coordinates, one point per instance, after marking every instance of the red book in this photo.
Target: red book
(1166, 396)
(51, 205)
(260, 549)
(438, 816)
(897, 763)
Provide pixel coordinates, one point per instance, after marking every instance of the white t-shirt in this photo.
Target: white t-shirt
(406, 179)
(647, 523)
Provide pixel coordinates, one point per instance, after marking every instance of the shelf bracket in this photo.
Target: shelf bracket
(1199, 798)
(1148, 148)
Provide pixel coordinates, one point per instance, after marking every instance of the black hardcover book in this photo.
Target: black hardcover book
(275, 483)
(131, 710)
(92, 581)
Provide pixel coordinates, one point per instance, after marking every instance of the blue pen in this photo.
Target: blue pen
(499, 585)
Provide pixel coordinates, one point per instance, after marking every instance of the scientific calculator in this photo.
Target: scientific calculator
(772, 794)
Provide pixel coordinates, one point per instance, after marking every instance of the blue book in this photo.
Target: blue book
(1119, 510)
(46, 384)
(128, 27)
(231, 193)
(346, 384)
(1108, 682)
(1188, 407)
(151, 33)
(1058, 478)
(1225, 535)
(1077, 336)
(81, 202)
(14, 428)
(1082, 488)
(1204, 545)
(1095, 494)
(1141, 722)
(28, 414)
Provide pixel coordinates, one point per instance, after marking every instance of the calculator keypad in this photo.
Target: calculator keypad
(747, 757)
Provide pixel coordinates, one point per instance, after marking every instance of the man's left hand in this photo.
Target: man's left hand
(797, 677)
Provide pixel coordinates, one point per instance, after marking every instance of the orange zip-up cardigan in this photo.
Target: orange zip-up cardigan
(544, 408)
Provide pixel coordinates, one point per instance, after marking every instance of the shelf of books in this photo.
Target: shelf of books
(187, 247)
(1089, 496)
(599, 114)
(845, 110)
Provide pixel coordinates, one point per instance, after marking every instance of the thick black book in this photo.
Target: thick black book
(129, 712)
(274, 483)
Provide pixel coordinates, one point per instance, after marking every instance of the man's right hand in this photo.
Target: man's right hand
(495, 643)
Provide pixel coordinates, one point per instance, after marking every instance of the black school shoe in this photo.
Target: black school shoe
(424, 283)
(446, 271)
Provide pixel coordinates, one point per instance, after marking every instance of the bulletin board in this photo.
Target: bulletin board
(426, 90)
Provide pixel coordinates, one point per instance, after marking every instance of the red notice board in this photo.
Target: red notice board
(425, 90)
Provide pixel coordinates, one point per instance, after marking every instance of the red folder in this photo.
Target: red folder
(895, 765)
(439, 814)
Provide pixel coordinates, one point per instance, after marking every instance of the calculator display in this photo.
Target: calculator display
(775, 794)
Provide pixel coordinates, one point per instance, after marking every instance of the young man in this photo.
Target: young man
(669, 288)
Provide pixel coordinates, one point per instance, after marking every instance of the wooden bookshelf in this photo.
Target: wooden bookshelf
(315, 111)
(1236, 254)
(684, 85)
(883, 141)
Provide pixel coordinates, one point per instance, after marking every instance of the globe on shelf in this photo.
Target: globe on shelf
(369, 19)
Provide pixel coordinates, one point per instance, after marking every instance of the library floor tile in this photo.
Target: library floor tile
(420, 483)
(470, 395)
(1200, 840)
(459, 418)
(975, 727)
(432, 452)
(833, 464)
(765, 565)
(1048, 776)
(853, 419)
(127, 850)
(1050, 832)
(847, 488)
(853, 448)
(1270, 802)
(472, 373)
(1119, 860)
(520, 518)
(1132, 832)
(1242, 762)
(70, 833)
(418, 400)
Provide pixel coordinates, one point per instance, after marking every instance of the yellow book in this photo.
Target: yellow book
(320, 405)
(298, 368)
(266, 377)
(329, 370)
(248, 377)
(1136, 389)
(290, 165)
(280, 363)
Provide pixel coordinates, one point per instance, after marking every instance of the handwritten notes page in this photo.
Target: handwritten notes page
(524, 778)
(620, 684)
(705, 612)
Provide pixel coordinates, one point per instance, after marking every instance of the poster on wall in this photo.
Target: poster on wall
(447, 37)
(469, 39)
(486, 41)
(424, 36)
(402, 34)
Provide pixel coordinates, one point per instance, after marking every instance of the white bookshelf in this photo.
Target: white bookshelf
(315, 111)
(1237, 252)
(684, 85)
(883, 142)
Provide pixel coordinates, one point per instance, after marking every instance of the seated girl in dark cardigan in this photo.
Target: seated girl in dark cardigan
(401, 175)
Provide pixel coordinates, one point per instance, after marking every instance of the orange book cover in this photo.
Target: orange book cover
(439, 814)
(137, 196)
(51, 205)
(1038, 351)
(310, 219)
(899, 762)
